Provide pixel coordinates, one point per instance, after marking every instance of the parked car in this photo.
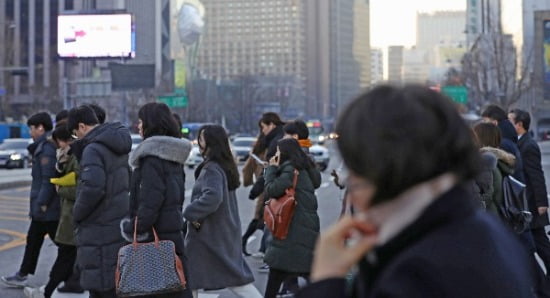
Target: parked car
(241, 147)
(14, 153)
(320, 155)
(195, 157)
(136, 140)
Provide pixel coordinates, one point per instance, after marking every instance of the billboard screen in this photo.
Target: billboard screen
(95, 36)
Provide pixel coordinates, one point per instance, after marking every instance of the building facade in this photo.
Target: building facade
(481, 15)
(376, 66)
(323, 63)
(395, 64)
(440, 28)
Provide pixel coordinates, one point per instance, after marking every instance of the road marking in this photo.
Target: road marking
(204, 295)
(325, 185)
(14, 199)
(15, 218)
(4, 211)
(20, 239)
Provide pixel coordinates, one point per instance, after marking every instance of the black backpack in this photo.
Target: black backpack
(514, 209)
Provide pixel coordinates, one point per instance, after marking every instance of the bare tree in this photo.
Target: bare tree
(491, 70)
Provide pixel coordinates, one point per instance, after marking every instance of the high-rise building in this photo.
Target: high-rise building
(529, 9)
(253, 37)
(440, 28)
(395, 64)
(481, 16)
(319, 47)
(349, 51)
(376, 66)
(28, 68)
(416, 67)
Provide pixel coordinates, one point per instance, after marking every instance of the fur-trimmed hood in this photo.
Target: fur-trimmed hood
(163, 147)
(501, 155)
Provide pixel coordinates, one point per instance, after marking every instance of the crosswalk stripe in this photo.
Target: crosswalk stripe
(4, 211)
(15, 218)
(14, 199)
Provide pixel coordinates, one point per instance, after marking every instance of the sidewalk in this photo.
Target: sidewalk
(15, 178)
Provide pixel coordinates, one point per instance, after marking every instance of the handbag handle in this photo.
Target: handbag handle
(294, 182)
(135, 243)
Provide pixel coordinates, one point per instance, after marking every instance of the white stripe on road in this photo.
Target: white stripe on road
(56, 294)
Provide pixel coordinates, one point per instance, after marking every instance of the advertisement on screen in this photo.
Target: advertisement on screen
(95, 36)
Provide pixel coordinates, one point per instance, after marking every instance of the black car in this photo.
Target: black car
(14, 153)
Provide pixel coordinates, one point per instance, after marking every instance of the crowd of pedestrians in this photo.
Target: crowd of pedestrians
(423, 201)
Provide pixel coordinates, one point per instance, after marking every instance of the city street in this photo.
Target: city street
(14, 223)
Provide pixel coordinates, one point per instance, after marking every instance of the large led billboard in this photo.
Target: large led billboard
(95, 36)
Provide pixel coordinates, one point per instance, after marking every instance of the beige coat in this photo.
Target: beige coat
(252, 169)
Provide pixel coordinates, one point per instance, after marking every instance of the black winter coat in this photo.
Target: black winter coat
(453, 250)
(271, 140)
(509, 143)
(102, 200)
(158, 189)
(534, 176)
(42, 191)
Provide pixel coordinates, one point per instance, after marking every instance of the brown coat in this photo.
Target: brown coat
(252, 169)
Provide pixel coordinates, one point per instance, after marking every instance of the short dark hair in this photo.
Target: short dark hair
(157, 120)
(99, 112)
(494, 112)
(522, 116)
(397, 137)
(271, 117)
(487, 134)
(41, 118)
(297, 127)
(61, 115)
(61, 133)
(290, 150)
(82, 114)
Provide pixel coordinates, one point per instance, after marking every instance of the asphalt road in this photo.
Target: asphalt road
(14, 223)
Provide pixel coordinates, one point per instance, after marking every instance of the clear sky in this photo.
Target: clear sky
(393, 22)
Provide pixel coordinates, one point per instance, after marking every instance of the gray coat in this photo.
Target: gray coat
(214, 252)
(102, 200)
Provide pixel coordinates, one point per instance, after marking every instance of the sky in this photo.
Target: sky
(393, 22)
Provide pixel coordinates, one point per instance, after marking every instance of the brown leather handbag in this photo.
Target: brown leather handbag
(278, 212)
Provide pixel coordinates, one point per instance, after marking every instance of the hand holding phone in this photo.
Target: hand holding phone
(274, 161)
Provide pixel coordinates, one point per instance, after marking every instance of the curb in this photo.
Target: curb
(14, 184)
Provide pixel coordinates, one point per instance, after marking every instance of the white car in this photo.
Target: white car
(241, 147)
(195, 157)
(320, 155)
(136, 140)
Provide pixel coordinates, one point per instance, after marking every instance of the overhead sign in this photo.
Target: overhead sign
(174, 100)
(458, 94)
(132, 76)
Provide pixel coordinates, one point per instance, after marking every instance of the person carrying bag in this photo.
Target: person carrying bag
(148, 268)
